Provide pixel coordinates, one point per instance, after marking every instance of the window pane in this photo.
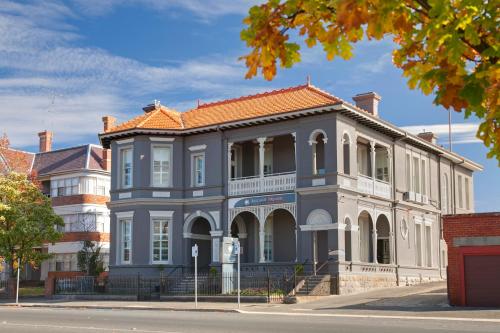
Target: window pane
(161, 166)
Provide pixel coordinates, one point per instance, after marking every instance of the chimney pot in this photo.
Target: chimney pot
(45, 141)
(108, 122)
(368, 102)
(428, 136)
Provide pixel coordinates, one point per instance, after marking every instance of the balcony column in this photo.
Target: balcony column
(262, 235)
(229, 147)
(374, 244)
(391, 247)
(294, 135)
(372, 156)
(262, 142)
(391, 171)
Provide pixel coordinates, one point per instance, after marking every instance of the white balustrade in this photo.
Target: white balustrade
(382, 189)
(270, 183)
(365, 184)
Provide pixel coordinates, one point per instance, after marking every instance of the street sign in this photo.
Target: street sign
(194, 251)
(236, 247)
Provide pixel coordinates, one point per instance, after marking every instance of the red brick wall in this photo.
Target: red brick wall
(80, 199)
(465, 225)
(82, 236)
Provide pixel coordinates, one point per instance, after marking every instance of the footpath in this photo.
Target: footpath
(426, 301)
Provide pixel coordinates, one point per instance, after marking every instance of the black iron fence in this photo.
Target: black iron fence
(272, 287)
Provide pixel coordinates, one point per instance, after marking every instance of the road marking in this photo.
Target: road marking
(88, 328)
(338, 315)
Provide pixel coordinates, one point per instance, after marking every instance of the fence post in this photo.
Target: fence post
(138, 286)
(268, 287)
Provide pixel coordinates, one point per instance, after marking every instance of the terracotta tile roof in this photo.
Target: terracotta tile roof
(15, 160)
(242, 108)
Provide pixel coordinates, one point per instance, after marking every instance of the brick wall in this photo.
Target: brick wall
(85, 236)
(80, 199)
(464, 225)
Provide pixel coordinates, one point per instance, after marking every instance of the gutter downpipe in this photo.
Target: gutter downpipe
(440, 217)
(394, 207)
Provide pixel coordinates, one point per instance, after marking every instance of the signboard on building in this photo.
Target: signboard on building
(262, 200)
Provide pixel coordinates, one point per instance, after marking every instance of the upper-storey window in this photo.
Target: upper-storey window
(65, 187)
(126, 167)
(198, 169)
(364, 167)
(446, 195)
(317, 142)
(416, 174)
(347, 154)
(423, 170)
(161, 166)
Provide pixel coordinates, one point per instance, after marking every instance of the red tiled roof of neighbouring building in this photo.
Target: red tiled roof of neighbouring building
(15, 160)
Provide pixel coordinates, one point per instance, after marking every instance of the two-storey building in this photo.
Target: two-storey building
(77, 179)
(299, 176)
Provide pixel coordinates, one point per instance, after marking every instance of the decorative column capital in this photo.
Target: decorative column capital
(230, 145)
(372, 145)
(261, 141)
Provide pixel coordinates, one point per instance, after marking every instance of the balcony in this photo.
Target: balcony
(269, 183)
(376, 187)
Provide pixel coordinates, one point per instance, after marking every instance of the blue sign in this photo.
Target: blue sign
(265, 200)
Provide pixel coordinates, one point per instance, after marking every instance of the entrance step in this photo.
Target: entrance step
(313, 285)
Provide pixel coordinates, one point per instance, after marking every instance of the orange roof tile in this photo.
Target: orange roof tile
(15, 160)
(242, 108)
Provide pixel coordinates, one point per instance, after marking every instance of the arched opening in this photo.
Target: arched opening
(383, 240)
(347, 154)
(366, 240)
(279, 237)
(318, 153)
(348, 239)
(200, 235)
(245, 227)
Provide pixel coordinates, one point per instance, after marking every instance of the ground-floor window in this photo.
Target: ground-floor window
(418, 241)
(268, 240)
(428, 246)
(125, 241)
(160, 240)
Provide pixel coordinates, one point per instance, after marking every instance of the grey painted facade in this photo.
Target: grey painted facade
(368, 232)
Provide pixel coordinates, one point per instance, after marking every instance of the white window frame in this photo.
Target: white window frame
(418, 235)
(460, 184)
(194, 170)
(428, 250)
(168, 217)
(121, 165)
(467, 193)
(129, 217)
(170, 167)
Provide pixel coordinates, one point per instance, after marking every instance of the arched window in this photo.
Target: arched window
(348, 239)
(318, 140)
(347, 154)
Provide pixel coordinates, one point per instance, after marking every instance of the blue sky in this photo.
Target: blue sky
(65, 64)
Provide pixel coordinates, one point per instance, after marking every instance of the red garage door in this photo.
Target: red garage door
(482, 280)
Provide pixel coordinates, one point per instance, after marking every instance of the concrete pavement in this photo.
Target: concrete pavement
(426, 300)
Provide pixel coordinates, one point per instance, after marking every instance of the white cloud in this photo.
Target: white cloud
(205, 9)
(461, 133)
(39, 60)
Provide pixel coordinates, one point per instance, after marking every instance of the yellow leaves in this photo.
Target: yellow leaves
(445, 47)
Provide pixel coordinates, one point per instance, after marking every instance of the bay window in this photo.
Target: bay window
(198, 169)
(159, 237)
(161, 164)
(126, 167)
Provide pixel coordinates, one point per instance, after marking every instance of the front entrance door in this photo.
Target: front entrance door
(320, 250)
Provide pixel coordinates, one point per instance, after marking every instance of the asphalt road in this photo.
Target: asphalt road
(42, 320)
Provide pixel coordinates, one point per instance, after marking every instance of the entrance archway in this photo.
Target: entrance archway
(280, 237)
(383, 240)
(245, 227)
(365, 234)
(200, 235)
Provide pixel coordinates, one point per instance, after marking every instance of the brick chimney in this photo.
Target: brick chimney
(45, 141)
(368, 101)
(428, 136)
(106, 159)
(109, 122)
